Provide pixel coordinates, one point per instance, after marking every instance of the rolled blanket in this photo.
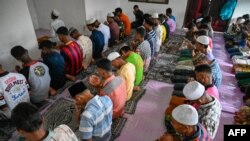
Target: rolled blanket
(242, 75)
(184, 72)
(179, 86)
(244, 82)
(184, 58)
(184, 67)
(185, 62)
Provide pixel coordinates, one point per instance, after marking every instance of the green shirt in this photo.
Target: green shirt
(137, 61)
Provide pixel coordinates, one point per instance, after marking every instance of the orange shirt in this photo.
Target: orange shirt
(124, 18)
(115, 88)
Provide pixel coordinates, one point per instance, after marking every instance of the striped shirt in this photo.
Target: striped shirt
(115, 88)
(96, 119)
(200, 135)
(151, 38)
(73, 57)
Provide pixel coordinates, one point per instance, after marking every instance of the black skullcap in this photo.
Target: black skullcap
(18, 51)
(77, 88)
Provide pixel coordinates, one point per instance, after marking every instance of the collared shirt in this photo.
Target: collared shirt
(158, 31)
(96, 119)
(213, 91)
(106, 32)
(125, 19)
(87, 48)
(54, 25)
(216, 73)
(115, 31)
(145, 49)
(115, 88)
(61, 133)
(200, 135)
(209, 116)
(151, 38)
(13, 89)
(172, 25)
(127, 72)
(137, 61)
(56, 64)
(97, 39)
(72, 55)
(37, 75)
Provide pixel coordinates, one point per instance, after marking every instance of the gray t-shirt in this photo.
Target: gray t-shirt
(145, 49)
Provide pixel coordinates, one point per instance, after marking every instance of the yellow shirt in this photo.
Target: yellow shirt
(127, 72)
(164, 33)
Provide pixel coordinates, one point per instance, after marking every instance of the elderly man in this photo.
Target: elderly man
(55, 24)
(125, 19)
(85, 44)
(105, 31)
(125, 69)
(209, 107)
(186, 122)
(114, 29)
(90, 109)
(112, 86)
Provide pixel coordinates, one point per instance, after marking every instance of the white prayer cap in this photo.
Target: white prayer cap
(155, 16)
(241, 21)
(113, 55)
(55, 12)
(110, 15)
(203, 40)
(193, 90)
(199, 20)
(91, 21)
(185, 114)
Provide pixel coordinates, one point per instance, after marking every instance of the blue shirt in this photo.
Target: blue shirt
(200, 135)
(151, 38)
(216, 73)
(97, 39)
(172, 17)
(96, 119)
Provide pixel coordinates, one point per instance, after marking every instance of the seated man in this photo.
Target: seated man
(112, 86)
(97, 39)
(71, 53)
(125, 19)
(203, 74)
(105, 31)
(192, 29)
(85, 44)
(151, 35)
(200, 59)
(209, 107)
(13, 90)
(186, 122)
(138, 17)
(30, 125)
(202, 45)
(92, 108)
(55, 24)
(56, 65)
(158, 31)
(36, 73)
(136, 60)
(125, 69)
(114, 29)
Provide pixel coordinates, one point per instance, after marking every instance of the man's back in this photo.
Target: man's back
(106, 32)
(37, 74)
(96, 119)
(87, 48)
(72, 55)
(98, 43)
(55, 24)
(114, 30)
(13, 89)
(151, 38)
(172, 25)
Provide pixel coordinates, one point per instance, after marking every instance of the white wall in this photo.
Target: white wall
(16, 29)
(33, 13)
(243, 7)
(178, 7)
(72, 12)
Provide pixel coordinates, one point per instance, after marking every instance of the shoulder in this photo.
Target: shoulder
(64, 133)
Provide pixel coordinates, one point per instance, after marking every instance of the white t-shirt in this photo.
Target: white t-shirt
(54, 25)
(87, 48)
(158, 31)
(13, 89)
(106, 32)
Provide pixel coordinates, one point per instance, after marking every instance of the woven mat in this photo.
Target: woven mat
(131, 105)
(6, 129)
(117, 127)
(61, 112)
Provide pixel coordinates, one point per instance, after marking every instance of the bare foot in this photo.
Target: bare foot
(52, 91)
(137, 88)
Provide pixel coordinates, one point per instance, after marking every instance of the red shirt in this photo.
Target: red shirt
(73, 57)
(124, 18)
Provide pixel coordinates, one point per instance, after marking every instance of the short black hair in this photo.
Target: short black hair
(202, 32)
(26, 116)
(18, 52)
(141, 31)
(125, 49)
(104, 64)
(118, 10)
(191, 25)
(146, 15)
(205, 26)
(46, 44)
(149, 21)
(77, 88)
(203, 69)
(136, 6)
(246, 16)
(169, 11)
(62, 30)
(207, 19)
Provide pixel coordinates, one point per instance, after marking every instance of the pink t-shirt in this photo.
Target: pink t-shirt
(210, 43)
(213, 91)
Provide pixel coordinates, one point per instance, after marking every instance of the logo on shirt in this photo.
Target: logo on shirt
(39, 71)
